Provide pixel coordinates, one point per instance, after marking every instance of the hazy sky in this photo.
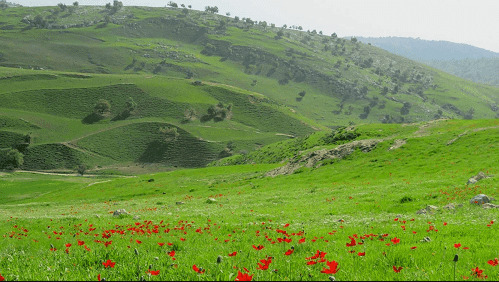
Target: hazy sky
(472, 22)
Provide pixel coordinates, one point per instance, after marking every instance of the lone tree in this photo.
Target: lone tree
(102, 107)
(15, 159)
(169, 133)
(172, 4)
(81, 169)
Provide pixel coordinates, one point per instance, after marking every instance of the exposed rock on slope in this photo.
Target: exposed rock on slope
(312, 158)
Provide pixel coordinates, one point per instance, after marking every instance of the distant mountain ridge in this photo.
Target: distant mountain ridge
(463, 60)
(428, 50)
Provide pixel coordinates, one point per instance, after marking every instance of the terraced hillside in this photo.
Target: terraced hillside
(182, 68)
(54, 117)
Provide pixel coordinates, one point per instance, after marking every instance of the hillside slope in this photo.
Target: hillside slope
(178, 66)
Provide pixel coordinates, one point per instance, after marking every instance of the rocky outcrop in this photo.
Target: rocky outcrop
(311, 159)
(477, 178)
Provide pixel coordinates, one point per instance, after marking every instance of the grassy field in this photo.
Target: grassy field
(354, 218)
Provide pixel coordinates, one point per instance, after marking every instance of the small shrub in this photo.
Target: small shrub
(406, 199)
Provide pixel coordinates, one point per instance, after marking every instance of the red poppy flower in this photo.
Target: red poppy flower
(172, 253)
(412, 248)
(333, 267)
(361, 254)
(87, 248)
(153, 272)
(108, 263)
(81, 243)
(182, 239)
(290, 251)
(397, 269)
(243, 276)
(161, 244)
(493, 262)
(98, 277)
(232, 254)
(457, 245)
(286, 225)
(466, 248)
(478, 273)
(53, 249)
(138, 242)
(258, 248)
(265, 264)
(68, 245)
(198, 270)
(445, 223)
(395, 240)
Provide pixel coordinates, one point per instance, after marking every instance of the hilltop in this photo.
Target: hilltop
(178, 63)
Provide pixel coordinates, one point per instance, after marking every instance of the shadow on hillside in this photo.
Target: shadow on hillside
(122, 116)
(91, 118)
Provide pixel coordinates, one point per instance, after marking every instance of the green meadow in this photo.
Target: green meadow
(212, 223)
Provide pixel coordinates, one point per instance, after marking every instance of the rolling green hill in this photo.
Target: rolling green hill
(280, 83)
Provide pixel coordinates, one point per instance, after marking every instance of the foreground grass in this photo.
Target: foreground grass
(355, 211)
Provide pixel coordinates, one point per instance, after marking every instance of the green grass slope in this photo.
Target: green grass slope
(359, 212)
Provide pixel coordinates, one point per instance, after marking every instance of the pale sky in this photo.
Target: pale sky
(472, 22)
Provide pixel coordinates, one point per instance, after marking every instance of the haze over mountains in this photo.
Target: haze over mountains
(463, 60)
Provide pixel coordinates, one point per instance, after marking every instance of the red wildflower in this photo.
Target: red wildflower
(161, 244)
(361, 254)
(395, 240)
(412, 248)
(81, 243)
(53, 249)
(108, 263)
(478, 273)
(290, 251)
(457, 245)
(68, 245)
(98, 277)
(87, 248)
(286, 225)
(258, 248)
(153, 272)
(397, 269)
(312, 262)
(265, 265)
(198, 270)
(243, 276)
(107, 243)
(352, 242)
(138, 242)
(493, 262)
(182, 239)
(445, 223)
(333, 267)
(232, 254)
(466, 248)
(2, 278)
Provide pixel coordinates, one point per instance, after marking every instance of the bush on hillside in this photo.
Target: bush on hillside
(169, 133)
(340, 135)
(102, 107)
(218, 112)
(81, 169)
(11, 159)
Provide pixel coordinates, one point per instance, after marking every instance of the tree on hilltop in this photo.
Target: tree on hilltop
(212, 10)
(75, 3)
(172, 4)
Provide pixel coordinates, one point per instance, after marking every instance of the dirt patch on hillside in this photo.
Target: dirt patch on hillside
(397, 144)
(312, 158)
